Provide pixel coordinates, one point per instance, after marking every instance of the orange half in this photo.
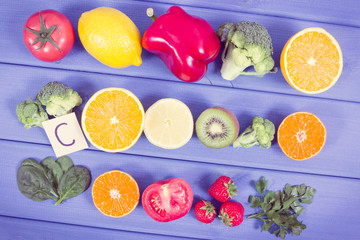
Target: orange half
(311, 61)
(113, 119)
(115, 193)
(301, 135)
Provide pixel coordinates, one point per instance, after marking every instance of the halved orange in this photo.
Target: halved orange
(115, 193)
(311, 61)
(301, 135)
(113, 119)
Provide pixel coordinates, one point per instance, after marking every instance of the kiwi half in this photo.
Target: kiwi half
(217, 127)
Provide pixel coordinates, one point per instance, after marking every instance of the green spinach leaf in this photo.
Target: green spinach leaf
(48, 174)
(33, 183)
(75, 181)
(57, 180)
(50, 165)
(32, 162)
(65, 163)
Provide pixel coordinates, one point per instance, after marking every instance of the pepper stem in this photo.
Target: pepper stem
(150, 13)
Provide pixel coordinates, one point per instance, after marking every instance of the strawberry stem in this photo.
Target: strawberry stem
(231, 188)
(225, 218)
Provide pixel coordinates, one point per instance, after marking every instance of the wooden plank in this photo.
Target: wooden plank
(152, 68)
(338, 158)
(335, 172)
(17, 228)
(338, 12)
(331, 200)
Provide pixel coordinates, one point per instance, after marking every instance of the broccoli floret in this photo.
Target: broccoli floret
(261, 132)
(246, 44)
(58, 98)
(30, 113)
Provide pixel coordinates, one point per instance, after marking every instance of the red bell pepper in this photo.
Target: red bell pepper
(185, 43)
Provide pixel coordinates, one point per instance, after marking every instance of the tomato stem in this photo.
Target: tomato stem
(44, 35)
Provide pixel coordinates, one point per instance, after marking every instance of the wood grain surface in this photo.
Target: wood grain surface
(334, 173)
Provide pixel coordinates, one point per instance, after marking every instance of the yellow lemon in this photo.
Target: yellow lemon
(111, 37)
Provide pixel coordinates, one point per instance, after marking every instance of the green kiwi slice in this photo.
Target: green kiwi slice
(217, 127)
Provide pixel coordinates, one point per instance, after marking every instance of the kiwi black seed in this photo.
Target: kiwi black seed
(217, 127)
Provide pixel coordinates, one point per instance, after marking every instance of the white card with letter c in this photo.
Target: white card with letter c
(65, 134)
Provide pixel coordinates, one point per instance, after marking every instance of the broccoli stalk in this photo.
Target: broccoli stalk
(261, 132)
(58, 98)
(246, 44)
(30, 113)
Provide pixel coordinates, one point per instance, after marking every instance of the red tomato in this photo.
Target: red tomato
(49, 35)
(167, 200)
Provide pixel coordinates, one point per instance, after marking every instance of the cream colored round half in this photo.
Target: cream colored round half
(169, 123)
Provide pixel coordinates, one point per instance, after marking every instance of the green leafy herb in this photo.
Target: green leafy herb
(58, 180)
(279, 210)
(261, 186)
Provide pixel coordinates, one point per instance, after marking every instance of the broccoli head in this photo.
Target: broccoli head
(261, 133)
(246, 44)
(58, 98)
(30, 113)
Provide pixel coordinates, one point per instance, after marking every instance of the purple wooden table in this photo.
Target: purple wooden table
(334, 173)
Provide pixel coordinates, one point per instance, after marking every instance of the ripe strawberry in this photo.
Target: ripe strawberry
(231, 213)
(204, 211)
(223, 189)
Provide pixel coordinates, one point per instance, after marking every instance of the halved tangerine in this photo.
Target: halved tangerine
(301, 135)
(115, 193)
